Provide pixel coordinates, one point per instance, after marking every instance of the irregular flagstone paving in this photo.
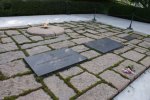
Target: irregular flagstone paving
(100, 77)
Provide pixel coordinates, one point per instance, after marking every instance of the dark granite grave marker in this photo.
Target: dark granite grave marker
(132, 36)
(104, 45)
(128, 38)
(51, 61)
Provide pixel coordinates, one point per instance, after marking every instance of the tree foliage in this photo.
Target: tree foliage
(144, 3)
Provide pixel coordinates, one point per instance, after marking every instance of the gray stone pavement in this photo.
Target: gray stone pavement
(99, 78)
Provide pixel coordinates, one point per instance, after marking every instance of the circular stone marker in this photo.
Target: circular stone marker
(48, 31)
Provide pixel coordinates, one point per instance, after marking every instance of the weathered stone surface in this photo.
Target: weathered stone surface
(36, 38)
(8, 47)
(91, 31)
(110, 33)
(70, 72)
(146, 61)
(75, 35)
(133, 55)
(59, 88)
(21, 39)
(24, 32)
(137, 67)
(62, 44)
(148, 53)
(122, 50)
(37, 95)
(60, 38)
(90, 54)
(79, 48)
(100, 92)
(83, 81)
(6, 40)
(145, 44)
(102, 30)
(12, 32)
(68, 30)
(138, 36)
(82, 40)
(101, 63)
(118, 81)
(122, 35)
(117, 39)
(9, 56)
(80, 31)
(2, 34)
(141, 50)
(18, 85)
(36, 50)
(13, 68)
(92, 36)
(147, 39)
(135, 41)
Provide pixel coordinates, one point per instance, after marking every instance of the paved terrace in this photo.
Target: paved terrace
(98, 78)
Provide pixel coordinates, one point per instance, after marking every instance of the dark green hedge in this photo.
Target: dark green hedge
(126, 11)
(46, 7)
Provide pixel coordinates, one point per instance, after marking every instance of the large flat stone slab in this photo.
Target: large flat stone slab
(17, 85)
(100, 92)
(102, 63)
(36, 95)
(104, 45)
(51, 61)
(83, 81)
(59, 88)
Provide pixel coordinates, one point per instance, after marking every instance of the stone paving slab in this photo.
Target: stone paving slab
(82, 40)
(100, 92)
(12, 32)
(8, 47)
(79, 48)
(100, 77)
(145, 44)
(83, 81)
(37, 50)
(90, 54)
(118, 81)
(37, 95)
(18, 85)
(63, 44)
(71, 72)
(101, 63)
(59, 88)
(6, 40)
(21, 39)
(13, 68)
(137, 67)
(10, 56)
(133, 55)
(146, 61)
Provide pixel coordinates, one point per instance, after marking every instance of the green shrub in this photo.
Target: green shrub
(126, 11)
(47, 7)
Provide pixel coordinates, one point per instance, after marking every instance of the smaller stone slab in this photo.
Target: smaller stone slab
(49, 31)
(129, 37)
(51, 61)
(104, 45)
(132, 36)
